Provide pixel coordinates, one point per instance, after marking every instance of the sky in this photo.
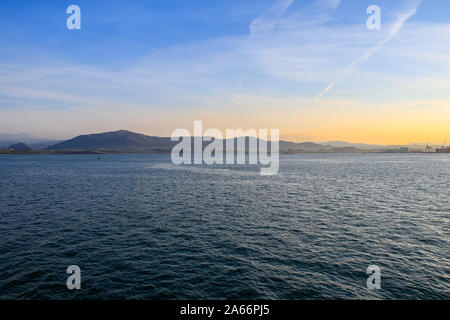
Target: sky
(310, 68)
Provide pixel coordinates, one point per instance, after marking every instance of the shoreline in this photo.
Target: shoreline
(37, 152)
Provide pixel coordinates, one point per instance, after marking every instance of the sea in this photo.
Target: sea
(140, 227)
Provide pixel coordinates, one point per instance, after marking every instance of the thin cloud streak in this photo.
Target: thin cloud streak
(327, 89)
(332, 4)
(395, 29)
(267, 21)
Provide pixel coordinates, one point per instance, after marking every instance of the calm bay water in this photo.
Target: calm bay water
(142, 228)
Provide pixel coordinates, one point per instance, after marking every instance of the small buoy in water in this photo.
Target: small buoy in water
(99, 158)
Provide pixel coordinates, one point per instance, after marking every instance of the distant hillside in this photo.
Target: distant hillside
(343, 144)
(35, 143)
(129, 142)
(303, 147)
(126, 141)
(117, 141)
(19, 147)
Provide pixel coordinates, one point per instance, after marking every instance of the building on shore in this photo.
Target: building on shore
(443, 150)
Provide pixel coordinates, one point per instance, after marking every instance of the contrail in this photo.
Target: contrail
(330, 86)
(402, 18)
(268, 20)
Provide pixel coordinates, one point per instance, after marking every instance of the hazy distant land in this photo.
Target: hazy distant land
(124, 141)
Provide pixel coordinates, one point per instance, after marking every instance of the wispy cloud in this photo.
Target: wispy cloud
(394, 30)
(331, 4)
(269, 19)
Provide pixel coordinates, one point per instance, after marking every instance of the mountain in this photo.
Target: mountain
(117, 141)
(343, 144)
(124, 141)
(7, 139)
(303, 146)
(19, 147)
(43, 144)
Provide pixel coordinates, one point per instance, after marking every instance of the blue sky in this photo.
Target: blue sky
(153, 66)
(116, 33)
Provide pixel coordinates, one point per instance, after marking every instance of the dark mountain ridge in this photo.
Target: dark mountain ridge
(124, 141)
(116, 141)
